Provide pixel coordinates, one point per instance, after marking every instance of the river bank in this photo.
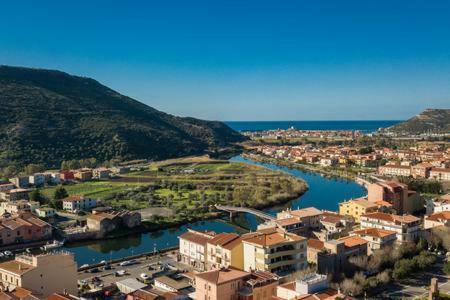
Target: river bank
(345, 174)
(323, 193)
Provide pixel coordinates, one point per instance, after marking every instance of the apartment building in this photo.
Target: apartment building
(220, 284)
(309, 216)
(101, 173)
(441, 174)
(43, 274)
(259, 285)
(421, 170)
(394, 170)
(274, 250)
(14, 194)
(406, 227)
(83, 175)
(403, 200)
(376, 238)
(309, 287)
(193, 248)
(225, 250)
(437, 219)
(356, 208)
(78, 203)
(16, 207)
(438, 205)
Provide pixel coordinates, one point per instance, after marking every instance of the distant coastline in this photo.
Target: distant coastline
(364, 126)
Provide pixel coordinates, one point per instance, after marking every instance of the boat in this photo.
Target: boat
(50, 246)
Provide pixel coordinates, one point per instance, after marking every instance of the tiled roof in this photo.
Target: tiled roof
(375, 232)
(306, 212)
(222, 276)
(15, 267)
(196, 237)
(352, 241)
(316, 244)
(444, 215)
(391, 218)
(223, 238)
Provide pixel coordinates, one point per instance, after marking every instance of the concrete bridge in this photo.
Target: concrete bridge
(236, 209)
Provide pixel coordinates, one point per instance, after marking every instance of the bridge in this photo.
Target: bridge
(237, 209)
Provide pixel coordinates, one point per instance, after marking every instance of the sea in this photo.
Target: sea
(363, 126)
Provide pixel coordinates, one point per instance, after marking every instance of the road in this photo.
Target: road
(417, 285)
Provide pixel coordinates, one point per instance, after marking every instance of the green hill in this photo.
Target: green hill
(49, 116)
(430, 120)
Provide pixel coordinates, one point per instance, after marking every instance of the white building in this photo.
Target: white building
(78, 203)
(438, 205)
(406, 227)
(193, 247)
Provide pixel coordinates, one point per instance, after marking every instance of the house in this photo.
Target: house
(225, 250)
(14, 194)
(83, 175)
(43, 274)
(66, 175)
(356, 208)
(403, 200)
(20, 181)
(45, 212)
(377, 238)
(335, 223)
(438, 205)
(129, 285)
(120, 170)
(193, 247)
(220, 284)
(421, 170)
(37, 179)
(78, 203)
(260, 285)
(441, 174)
(15, 207)
(23, 228)
(173, 283)
(274, 250)
(406, 227)
(309, 216)
(437, 219)
(312, 286)
(101, 173)
(19, 293)
(394, 170)
(104, 223)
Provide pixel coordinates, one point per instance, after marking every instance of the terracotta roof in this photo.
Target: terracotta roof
(363, 202)
(352, 241)
(223, 238)
(15, 267)
(288, 221)
(306, 212)
(222, 276)
(316, 244)
(391, 218)
(72, 198)
(232, 244)
(444, 215)
(383, 203)
(272, 238)
(196, 237)
(375, 232)
(331, 219)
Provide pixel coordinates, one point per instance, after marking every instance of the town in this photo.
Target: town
(367, 243)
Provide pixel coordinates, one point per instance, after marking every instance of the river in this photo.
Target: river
(323, 193)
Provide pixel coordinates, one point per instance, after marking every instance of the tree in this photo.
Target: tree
(33, 168)
(60, 193)
(36, 195)
(446, 268)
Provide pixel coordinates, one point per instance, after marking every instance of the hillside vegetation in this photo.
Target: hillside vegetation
(434, 120)
(48, 116)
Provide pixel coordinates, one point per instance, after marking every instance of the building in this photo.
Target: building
(20, 181)
(356, 208)
(274, 250)
(66, 175)
(45, 212)
(78, 203)
(105, 222)
(302, 287)
(441, 174)
(309, 216)
(225, 250)
(15, 207)
(6, 186)
(175, 283)
(83, 175)
(260, 285)
(421, 170)
(37, 179)
(220, 284)
(129, 285)
(377, 238)
(394, 170)
(406, 227)
(438, 205)
(437, 219)
(101, 173)
(14, 194)
(43, 274)
(403, 201)
(23, 228)
(193, 247)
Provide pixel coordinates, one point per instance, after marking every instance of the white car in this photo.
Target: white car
(120, 273)
(8, 253)
(127, 263)
(144, 276)
(84, 266)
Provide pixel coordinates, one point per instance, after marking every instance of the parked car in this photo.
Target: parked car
(144, 276)
(120, 273)
(94, 270)
(127, 263)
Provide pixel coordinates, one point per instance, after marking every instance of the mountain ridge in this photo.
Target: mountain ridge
(48, 116)
(436, 120)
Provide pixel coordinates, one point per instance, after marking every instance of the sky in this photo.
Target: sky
(245, 60)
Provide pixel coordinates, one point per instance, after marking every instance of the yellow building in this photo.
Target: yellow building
(43, 274)
(225, 250)
(356, 208)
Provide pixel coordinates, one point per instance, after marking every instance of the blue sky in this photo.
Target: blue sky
(245, 60)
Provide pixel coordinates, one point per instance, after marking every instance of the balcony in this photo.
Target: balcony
(283, 253)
